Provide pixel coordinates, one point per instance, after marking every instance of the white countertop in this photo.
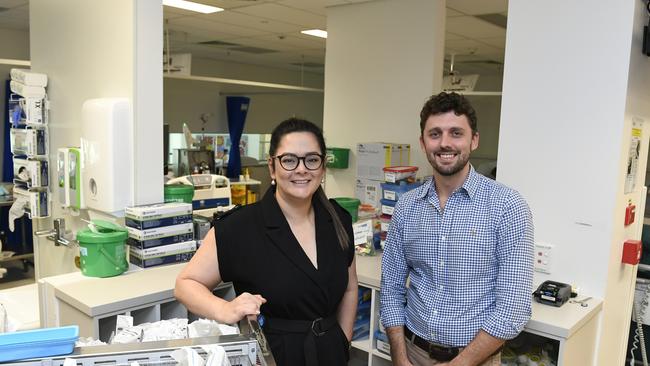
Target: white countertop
(96, 296)
(560, 322)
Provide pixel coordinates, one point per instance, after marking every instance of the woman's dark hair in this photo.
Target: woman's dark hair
(300, 125)
(446, 102)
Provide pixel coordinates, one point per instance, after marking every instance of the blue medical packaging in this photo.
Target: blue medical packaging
(38, 343)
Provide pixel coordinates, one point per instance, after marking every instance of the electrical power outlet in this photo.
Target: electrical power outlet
(543, 257)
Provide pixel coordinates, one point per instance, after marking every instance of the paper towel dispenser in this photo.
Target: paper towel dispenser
(106, 143)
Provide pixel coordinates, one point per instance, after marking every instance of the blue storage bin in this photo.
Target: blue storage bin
(387, 207)
(38, 343)
(392, 191)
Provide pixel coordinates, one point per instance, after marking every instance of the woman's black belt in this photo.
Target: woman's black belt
(313, 329)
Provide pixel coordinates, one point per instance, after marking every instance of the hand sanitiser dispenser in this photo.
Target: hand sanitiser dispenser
(62, 176)
(106, 144)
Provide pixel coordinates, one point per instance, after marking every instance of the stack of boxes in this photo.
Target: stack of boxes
(397, 181)
(372, 158)
(160, 234)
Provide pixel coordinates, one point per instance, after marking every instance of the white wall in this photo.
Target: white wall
(565, 131)
(93, 50)
(383, 60)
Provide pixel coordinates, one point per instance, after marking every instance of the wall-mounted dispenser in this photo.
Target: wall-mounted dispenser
(75, 186)
(62, 176)
(106, 143)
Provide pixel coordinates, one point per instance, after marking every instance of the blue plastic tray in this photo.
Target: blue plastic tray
(38, 343)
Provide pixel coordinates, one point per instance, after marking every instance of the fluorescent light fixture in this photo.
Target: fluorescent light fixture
(192, 6)
(315, 32)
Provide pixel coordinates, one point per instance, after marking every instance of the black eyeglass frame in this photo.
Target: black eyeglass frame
(279, 157)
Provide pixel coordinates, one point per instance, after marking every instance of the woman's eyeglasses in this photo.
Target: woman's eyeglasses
(290, 161)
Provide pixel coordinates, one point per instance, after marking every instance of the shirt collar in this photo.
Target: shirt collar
(470, 185)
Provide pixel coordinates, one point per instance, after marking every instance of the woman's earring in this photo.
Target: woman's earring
(272, 182)
(322, 181)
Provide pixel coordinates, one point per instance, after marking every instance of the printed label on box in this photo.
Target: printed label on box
(390, 195)
(388, 210)
(362, 229)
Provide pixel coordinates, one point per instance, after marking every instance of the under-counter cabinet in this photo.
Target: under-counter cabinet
(94, 303)
(569, 332)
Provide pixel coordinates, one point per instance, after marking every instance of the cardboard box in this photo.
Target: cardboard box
(372, 157)
(159, 261)
(158, 211)
(405, 154)
(163, 250)
(368, 191)
(160, 232)
(160, 222)
(151, 243)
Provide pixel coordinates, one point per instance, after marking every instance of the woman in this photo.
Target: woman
(290, 258)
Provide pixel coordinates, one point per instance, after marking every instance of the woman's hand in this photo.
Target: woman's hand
(245, 304)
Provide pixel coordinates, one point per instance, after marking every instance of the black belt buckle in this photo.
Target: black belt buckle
(316, 327)
(440, 353)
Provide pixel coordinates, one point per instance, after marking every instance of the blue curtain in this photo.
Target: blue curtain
(237, 108)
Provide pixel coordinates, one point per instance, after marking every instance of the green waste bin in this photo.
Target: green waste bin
(351, 205)
(103, 253)
(179, 193)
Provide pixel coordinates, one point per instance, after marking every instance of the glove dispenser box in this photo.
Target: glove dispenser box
(106, 144)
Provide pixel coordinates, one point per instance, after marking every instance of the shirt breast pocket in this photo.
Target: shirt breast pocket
(475, 249)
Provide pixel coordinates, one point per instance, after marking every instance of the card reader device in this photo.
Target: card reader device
(552, 293)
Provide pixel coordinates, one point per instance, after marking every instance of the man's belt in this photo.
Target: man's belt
(312, 328)
(436, 351)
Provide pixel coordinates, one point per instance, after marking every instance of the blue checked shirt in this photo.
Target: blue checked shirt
(470, 266)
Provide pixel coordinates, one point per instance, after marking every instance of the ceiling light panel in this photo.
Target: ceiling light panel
(315, 33)
(192, 6)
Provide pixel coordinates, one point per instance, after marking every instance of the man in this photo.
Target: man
(465, 242)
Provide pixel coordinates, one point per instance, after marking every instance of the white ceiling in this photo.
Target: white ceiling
(272, 27)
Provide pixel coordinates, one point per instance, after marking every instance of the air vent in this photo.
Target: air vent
(497, 19)
(255, 50)
(219, 43)
(308, 64)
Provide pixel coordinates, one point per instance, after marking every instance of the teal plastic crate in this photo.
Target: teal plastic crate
(38, 343)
